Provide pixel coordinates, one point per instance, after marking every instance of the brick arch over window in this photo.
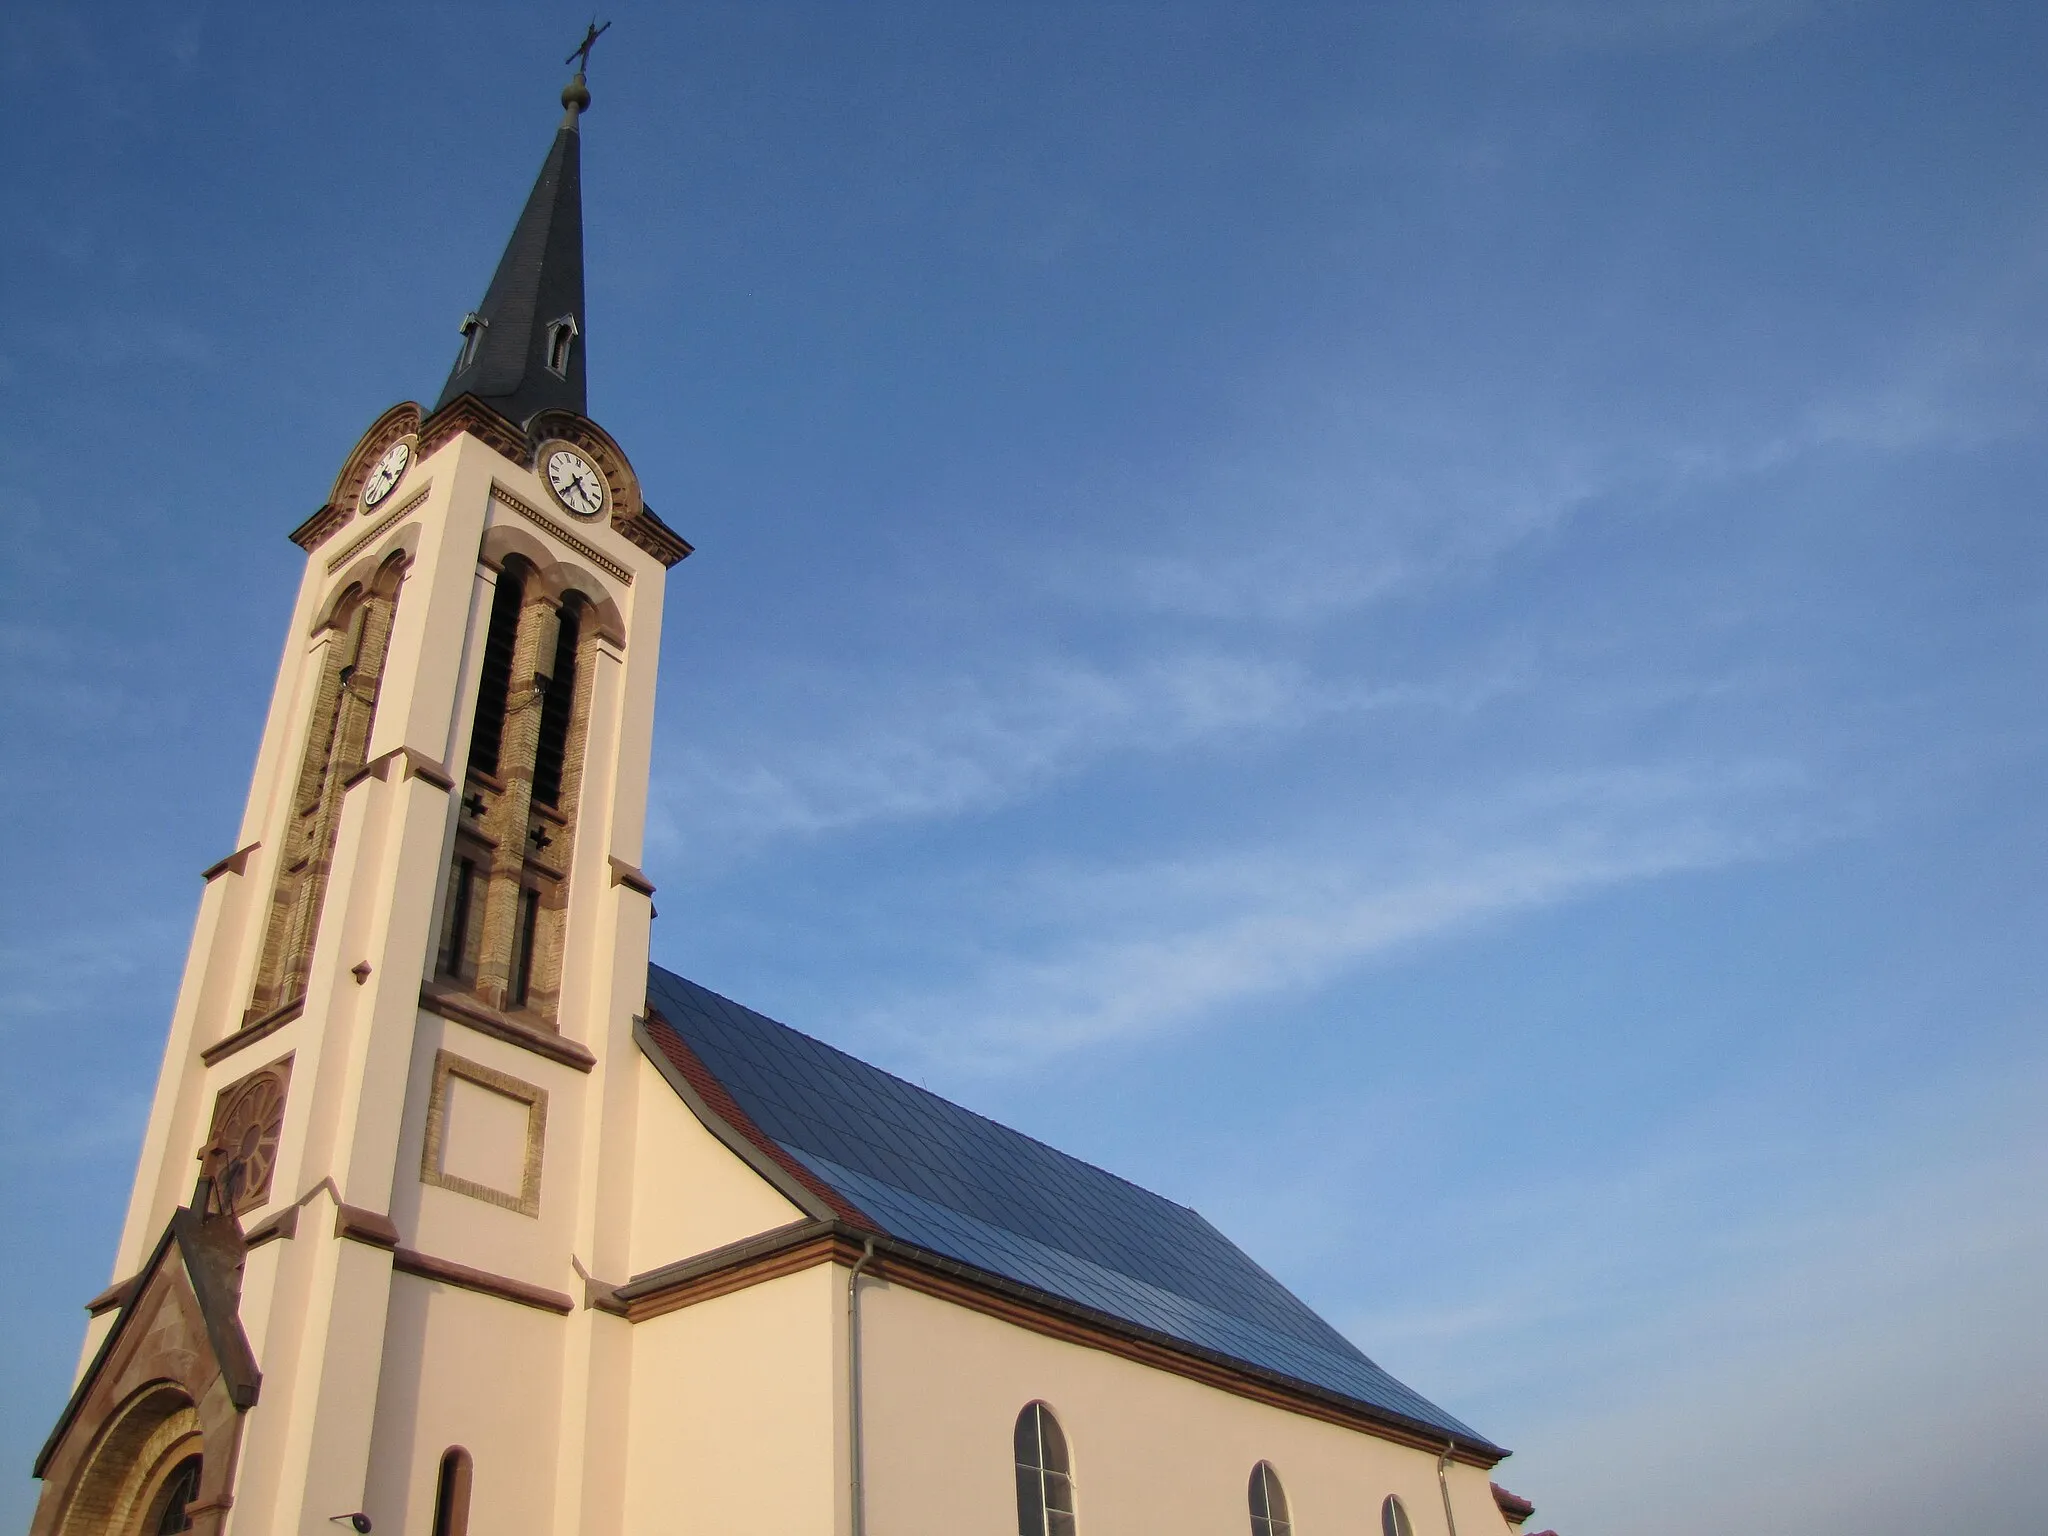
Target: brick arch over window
(555, 576)
(362, 572)
(347, 674)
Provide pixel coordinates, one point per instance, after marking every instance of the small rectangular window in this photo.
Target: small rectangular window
(522, 958)
(455, 929)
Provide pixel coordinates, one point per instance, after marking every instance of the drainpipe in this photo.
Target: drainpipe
(1443, 1484)
(856, 1492)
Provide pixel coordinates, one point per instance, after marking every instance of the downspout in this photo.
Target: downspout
(1444, 1485)
(857, 1493)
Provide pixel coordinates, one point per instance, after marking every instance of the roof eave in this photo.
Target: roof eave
(842, 1242)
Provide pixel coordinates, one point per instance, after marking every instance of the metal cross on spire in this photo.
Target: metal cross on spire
(580, 55)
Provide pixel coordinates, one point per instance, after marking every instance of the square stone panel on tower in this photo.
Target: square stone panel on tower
(486, 1131)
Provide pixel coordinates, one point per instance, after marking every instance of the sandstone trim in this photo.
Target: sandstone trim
(408, 1261)
(488, 1021)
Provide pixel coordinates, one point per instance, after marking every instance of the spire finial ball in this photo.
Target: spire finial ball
(576, 95)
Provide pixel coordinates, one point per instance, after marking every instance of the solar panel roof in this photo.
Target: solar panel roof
(955, 1183)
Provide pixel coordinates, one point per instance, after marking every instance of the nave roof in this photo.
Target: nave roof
(918, 1168)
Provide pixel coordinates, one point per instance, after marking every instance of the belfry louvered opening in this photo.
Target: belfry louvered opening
(347, 672)
(504, 912)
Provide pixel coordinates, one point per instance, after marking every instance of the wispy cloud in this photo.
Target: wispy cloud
(1827, 1358)
(962, 744)
(57, 974)
(1141, 949)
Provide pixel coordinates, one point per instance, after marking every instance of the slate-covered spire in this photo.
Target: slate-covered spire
(522, 348)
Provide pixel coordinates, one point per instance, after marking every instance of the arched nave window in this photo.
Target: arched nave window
(1045, 1475)
(1269, 1502)
(1394, 1518)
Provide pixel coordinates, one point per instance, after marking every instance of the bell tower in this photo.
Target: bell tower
(357, 1254)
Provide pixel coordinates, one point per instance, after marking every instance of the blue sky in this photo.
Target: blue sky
(1420, 626)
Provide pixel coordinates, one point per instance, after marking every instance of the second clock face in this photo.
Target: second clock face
(575, 482)
(389, 471)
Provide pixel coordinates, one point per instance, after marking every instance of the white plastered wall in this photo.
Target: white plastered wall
(1152, 1451)
(691, 1194)
(484, 1375)
(737, 1420)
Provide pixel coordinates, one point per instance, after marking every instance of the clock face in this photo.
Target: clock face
(577, 485)
(389, 471)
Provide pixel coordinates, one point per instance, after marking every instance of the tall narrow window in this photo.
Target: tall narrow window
(451, 1494)
(488, 734)
(1269, 1502)
(1045, 1479)
(561, 337)
(1394, 1518)
(522, 955)
(556, 706)
(346, 680)
(455, 927)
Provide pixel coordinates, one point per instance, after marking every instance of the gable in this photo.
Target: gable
(175, 1368)
(691, 1193)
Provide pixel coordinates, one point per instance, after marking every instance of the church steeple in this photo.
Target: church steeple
(522, 348)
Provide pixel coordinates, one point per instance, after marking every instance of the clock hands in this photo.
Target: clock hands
(576, 483)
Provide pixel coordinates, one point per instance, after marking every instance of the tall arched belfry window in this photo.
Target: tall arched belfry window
(504, 912)
(488, 734)
(351, 671)
(557, 706)
(1045, 1475)
(1269, 1503)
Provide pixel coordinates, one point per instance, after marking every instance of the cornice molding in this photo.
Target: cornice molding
(412, 765)
(360, 1226)
(254, 1030)
(629, 876)
(378, 529)
(650, 533)
(317, 529)
(234, 864)
(410, 1261)
(466, 413)
(563, 534)
(463, 1009)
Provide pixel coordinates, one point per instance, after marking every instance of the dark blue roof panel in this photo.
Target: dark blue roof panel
(956, 1183)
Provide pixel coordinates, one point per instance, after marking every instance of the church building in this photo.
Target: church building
(455, 1215)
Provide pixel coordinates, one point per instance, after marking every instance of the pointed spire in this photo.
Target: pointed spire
(522, 348)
